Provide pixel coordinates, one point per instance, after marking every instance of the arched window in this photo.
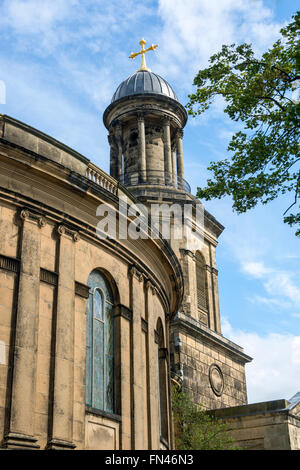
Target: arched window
(162, 382)
(100, 344)
(202, 302)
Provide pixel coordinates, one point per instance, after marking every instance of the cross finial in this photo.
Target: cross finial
(143, 52)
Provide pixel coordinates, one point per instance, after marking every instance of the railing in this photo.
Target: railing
(154, 178)
(96, 175)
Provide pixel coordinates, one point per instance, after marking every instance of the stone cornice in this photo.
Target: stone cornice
(124, 312)
(142, 102)
(89, 232)
(195, 328)
(41, 135)
(68, 177)
(49, 277)
(82, 290)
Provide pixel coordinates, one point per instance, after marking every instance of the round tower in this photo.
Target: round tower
(145, 122)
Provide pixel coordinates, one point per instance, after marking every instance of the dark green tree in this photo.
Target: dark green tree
(195, 428)
(260, 92)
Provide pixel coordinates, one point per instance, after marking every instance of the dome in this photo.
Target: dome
(144, 81)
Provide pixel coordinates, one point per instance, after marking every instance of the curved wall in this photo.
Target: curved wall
(48, 248)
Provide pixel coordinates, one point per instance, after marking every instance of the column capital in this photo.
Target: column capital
(150, 285)
(140, 116)
(134, 272)
(118, 126)
(26, 214)
(166, 119)
(179, 133)
(62, 230)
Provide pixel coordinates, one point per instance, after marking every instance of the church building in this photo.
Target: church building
(93, 330)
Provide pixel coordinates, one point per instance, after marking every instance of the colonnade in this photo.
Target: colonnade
(173, 152)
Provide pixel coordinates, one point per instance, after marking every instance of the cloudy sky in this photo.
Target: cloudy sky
(61, 61)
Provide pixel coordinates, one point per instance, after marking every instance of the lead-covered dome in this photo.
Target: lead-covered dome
(144, 81)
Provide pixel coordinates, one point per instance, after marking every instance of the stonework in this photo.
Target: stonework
(48, 248)
(150, 127)
(164, 304)
(196, 354)
(273, 425)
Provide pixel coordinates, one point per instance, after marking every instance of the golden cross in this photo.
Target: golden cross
(143, 52)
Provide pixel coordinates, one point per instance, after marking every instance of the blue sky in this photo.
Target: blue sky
(61, 61)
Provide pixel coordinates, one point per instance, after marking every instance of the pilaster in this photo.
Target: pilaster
(123, 320)
(153, 369)
(21, 422)
(63, 375)
(138, 362)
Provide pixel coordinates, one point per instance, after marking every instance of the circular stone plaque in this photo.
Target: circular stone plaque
(216, 379)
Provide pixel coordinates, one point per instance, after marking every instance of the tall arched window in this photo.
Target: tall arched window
(162, 382)
(202, 301)
(100, 344)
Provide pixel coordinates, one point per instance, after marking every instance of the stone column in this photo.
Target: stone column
(137, 306)
(21, 423)
(142, 148)
(173, 150)
(179, 151)
(113, 154)
(63, 389)
(167, 150)
(118, 138)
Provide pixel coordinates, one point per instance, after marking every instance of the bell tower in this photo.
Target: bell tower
(145, 121)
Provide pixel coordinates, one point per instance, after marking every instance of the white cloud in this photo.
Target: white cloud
(195, 29)
(33, 16)
(256, 269)
(270, 302)
(275, 281)
(254, 241)
(48, 26)
(79, 128)
(275, 370)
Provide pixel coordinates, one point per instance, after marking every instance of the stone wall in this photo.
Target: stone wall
(48, 247)
(273, 425)
(211, 368)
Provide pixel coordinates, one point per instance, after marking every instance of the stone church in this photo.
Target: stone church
(93, 329)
